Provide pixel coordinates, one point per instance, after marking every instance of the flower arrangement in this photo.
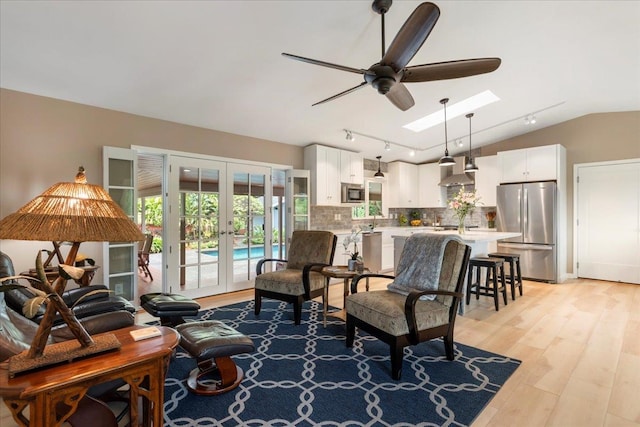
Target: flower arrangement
(354, 238)
(491, 218)
(463, 203)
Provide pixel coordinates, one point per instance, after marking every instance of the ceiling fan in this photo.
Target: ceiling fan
(389, 75)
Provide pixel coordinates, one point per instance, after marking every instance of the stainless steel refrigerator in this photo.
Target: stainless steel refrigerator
(531, 209)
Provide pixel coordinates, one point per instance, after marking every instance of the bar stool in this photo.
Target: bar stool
(491, 287)
(515, 274)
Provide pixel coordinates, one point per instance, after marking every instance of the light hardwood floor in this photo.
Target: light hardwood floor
(579, 343)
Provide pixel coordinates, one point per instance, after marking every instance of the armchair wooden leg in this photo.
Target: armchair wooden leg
(257, 302)
(448, 345)
(351, 332)
(397, 354)
(297, 311)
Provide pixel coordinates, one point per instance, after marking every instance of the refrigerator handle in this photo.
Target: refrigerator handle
(525, 214)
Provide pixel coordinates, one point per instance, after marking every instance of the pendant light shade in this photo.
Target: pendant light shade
(446, 160)
(378, 174)
(470, 165)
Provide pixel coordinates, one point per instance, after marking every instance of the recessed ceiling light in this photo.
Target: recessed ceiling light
(470, 104)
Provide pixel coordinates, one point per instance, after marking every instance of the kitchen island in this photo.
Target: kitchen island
(478, 240)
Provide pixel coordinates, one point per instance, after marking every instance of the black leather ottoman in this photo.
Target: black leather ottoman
(170, 308)
(212, 343)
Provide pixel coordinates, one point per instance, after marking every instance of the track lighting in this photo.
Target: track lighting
(530, 119)
(470, 165)
(387, 146)
(446, 160)
(378, 174)
(349, 136)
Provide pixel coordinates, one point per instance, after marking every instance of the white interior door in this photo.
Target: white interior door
(608, 221)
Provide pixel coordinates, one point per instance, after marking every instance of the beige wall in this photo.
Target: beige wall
(44, 140)
(592, 138)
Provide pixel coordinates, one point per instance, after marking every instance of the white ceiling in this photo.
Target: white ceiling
(217, 64)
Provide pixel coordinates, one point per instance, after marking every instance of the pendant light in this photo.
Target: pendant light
(446, 160)
(470, 165)
(378, 174)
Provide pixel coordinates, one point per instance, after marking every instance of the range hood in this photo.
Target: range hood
(456, 175)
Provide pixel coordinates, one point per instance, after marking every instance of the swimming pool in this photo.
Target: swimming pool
(241, 253)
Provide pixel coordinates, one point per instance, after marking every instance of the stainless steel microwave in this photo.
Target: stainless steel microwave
(352, 193)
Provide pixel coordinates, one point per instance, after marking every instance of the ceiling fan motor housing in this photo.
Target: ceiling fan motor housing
(381, 6)
(381, 77)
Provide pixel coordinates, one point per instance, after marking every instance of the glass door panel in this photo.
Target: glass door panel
(298, 196)
(250, 232)
(200, 258)
(120, 258)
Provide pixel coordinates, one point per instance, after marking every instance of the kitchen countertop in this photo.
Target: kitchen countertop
(468, 236)
(407, 230)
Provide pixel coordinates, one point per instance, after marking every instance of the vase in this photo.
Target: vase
(461, 225)
(351, 265)
(491, 224)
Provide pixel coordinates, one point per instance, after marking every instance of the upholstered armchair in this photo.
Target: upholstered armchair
(422, 301)
(300, 280)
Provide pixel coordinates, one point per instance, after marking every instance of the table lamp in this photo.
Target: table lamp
(72, 212)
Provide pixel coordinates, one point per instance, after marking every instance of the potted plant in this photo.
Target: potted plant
(415, 218)
(353, 253)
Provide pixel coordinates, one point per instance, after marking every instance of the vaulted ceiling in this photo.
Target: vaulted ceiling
(218, 65)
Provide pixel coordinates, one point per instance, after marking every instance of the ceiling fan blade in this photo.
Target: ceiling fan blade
(324, 64)
(400, 97)
(450, 69)
(341, 94)
(411, 36)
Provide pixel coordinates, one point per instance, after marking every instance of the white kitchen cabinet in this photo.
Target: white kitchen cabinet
(403, 185)
(387, 251)
(351, 167)
(324, 166)
(431, 194)
(487, 178)
(531, 164)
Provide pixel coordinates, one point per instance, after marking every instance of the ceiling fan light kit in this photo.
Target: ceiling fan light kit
(389, 75)
(446, 160)
(470, 166)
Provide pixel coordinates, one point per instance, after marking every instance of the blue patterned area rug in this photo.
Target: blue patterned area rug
(305, 376)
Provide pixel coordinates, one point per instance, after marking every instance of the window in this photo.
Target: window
(372, 205)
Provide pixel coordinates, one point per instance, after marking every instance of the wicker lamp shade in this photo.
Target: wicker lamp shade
(72, 212)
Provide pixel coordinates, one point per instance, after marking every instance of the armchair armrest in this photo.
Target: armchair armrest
(356, 279)
(263, 261)
(317, 266)
(410, 309)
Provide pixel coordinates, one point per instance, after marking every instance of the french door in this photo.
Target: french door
(218, 224)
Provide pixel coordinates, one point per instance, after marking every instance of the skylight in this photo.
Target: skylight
(465, 106)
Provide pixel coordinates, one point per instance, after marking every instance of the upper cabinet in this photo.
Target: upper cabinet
(487, 178)
(431, 194)
(351, 167)
(532, 164)
(324, 166)
(404, 185)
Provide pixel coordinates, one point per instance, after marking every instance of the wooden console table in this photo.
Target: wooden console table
(141, 364)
